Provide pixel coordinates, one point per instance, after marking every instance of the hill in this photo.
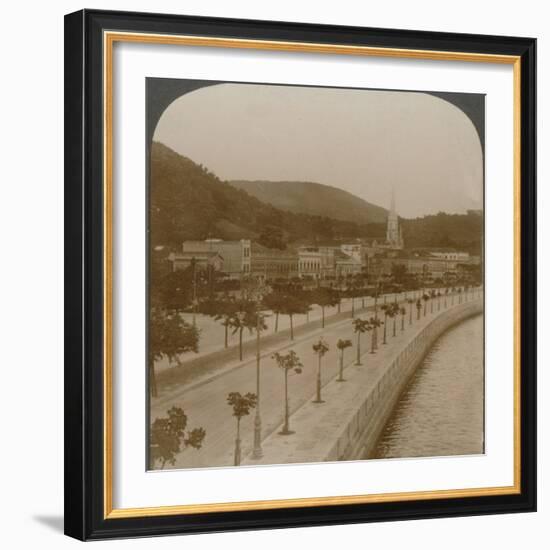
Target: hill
(187, 201)
(304, 197)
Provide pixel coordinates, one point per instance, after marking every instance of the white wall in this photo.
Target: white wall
(31, 290)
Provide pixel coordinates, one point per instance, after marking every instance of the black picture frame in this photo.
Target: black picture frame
(84, 282)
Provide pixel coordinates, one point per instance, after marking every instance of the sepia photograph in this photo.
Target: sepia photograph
(315, 274)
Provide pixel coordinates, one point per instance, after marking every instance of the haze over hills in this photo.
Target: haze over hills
(187, 201)
(304, 197)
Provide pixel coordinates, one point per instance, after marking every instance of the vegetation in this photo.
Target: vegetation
(359, 327)
(287, 362)
(167, 435)
(320, 349)
(303, 197)
(190, 202)
(324, 297)
(169, 336)
(241, 405)
(342, 345)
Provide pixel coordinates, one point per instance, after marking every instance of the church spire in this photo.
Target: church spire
(394, 236)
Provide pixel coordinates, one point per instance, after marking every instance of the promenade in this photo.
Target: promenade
(203, 392)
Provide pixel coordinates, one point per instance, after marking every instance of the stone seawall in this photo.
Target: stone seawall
(358, 440)
(349, 422)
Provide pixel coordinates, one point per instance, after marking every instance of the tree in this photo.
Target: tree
(425, 297)
(169, 336)
(272, 237)
(375, 324)
(294, 305)
(320, 348)
(226, 310)
(410, 301)
(173, 290)
(241, 407)
(342, 345)
(167, 435)
(359, 327)
(324, 297)
(353, 291)
(288, 362)
(399, 273)
(418, 309)
(432, 298)
(393, 311)
(386, 309)
(246, 318)
(275, 301)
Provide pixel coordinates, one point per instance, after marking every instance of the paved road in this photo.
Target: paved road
(205, 404)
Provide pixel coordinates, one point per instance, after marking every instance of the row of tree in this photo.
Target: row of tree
(169, 435)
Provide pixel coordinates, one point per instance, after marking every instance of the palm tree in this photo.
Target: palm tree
(275, 301)
(324, 297)
(360, 326)
(227, 308)
(251, 320)
(425, 297)
(320, 348)
(393, 312)
(288, 362)
(241, 407)
(432, 297)
(403, 312)
(385, 308)
(294, 305)
(375, 324)
(342, 345)
(410, 301)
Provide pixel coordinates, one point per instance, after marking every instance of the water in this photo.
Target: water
(441, 411)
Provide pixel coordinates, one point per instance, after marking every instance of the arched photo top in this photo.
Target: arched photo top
(427, 146)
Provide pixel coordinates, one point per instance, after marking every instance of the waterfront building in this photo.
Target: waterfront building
(202, 260)
(271, 264)
(316, 261)
(348, 265)
(236, 254)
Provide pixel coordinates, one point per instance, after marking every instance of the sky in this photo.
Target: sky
(362, 141)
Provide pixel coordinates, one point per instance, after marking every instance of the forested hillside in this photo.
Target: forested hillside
(306, 197)
(190, 202)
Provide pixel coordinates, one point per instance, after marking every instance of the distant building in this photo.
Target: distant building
(271, 264)
(425, 266)
(452, 255)
(316, 261)
(236, 254)
(394, 236)
(354, 250)
(348, 264)
(202, 260)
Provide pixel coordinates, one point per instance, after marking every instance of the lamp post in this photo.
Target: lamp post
(257, 452)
